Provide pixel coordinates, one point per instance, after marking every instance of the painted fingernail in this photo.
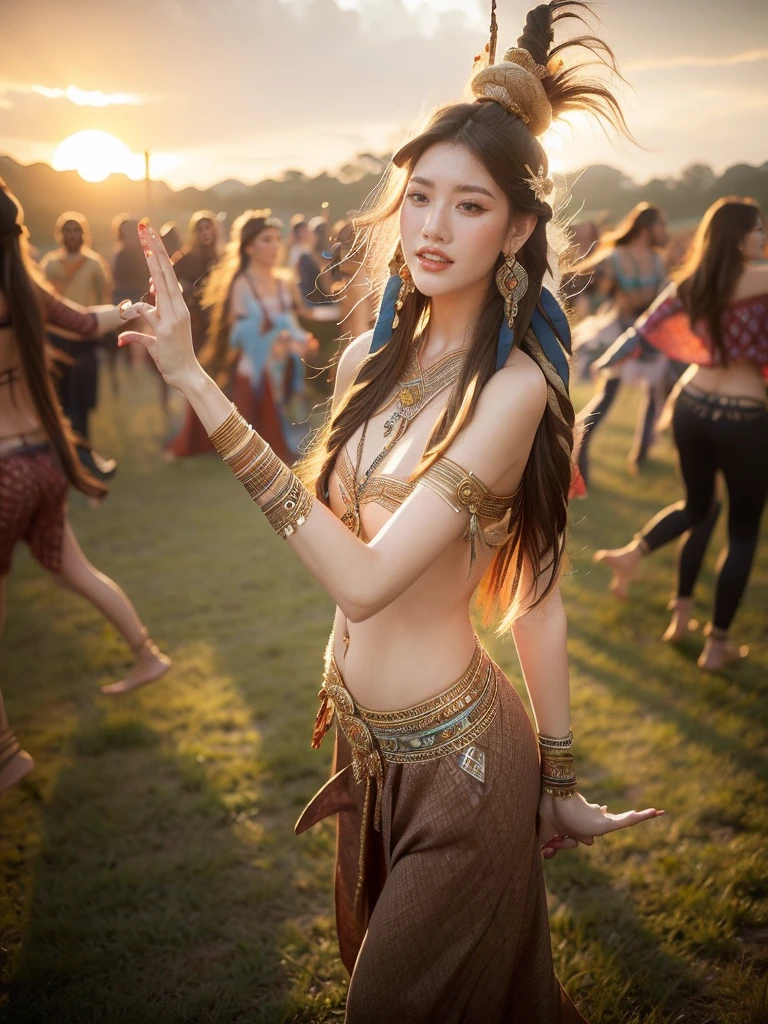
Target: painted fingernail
(144, 223)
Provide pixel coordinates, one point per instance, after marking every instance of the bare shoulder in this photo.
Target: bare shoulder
(753, 281)
(518, 389)
(350, 362)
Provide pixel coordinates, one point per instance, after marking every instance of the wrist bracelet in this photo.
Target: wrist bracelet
(231, 434)
(558, 777)
(561, 792)
(287, 512)
(260, 471)
(556, 742)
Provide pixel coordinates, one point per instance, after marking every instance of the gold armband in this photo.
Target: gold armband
(262, 473)
(463, 490)
(558, 777)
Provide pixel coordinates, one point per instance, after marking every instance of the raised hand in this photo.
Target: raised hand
(169, 335)
(563, 824)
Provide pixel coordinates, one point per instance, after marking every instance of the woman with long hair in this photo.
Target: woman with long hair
(255, 345)
(630, 273)
(38, 462)
(445, 467)
(196, 260)
(715, 316)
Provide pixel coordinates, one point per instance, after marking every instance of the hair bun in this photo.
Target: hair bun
(516, 84)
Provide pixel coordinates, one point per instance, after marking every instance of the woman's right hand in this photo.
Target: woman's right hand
(168, 337)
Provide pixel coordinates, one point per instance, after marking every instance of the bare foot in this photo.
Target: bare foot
(681, 624)
(622, 562)
(149, 666)
(15, 769)
(719, 652)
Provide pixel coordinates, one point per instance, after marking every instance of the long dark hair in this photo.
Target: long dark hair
(505, 146)
(22, 291)
(641, 217)
(215, 355)
(713, 264)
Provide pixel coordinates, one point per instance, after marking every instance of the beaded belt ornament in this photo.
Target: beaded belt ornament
(443, 725)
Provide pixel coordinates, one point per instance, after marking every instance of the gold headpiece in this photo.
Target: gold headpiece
(515, 84)
(540, 185)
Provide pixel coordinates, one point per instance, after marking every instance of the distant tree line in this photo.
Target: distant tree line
(597, 192)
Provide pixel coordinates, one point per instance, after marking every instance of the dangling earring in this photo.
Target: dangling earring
(512, 282)
(399, 287)
(405, 289)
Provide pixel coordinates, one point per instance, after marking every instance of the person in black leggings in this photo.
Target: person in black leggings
(712, 434)
(720, 422)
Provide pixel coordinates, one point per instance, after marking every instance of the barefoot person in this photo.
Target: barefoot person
(445, 467)
(38, 461)
(720, 419)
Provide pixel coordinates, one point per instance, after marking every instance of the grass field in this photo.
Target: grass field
(148, 869)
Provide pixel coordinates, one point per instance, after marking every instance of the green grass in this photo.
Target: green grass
(148, 868)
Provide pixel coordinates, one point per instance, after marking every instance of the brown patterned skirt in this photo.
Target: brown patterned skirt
(440, 903)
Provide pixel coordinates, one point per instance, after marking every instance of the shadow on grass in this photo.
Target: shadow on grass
(593, 913)
(660, 691)
(158, 878)
(153, 898)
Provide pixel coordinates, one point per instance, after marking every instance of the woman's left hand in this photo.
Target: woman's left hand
(564, 823)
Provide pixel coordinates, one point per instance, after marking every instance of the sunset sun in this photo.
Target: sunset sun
(95, 155)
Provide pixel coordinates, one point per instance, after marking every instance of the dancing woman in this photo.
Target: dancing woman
(714, 316)
(630, 271)
(38, 462)
(255, 344)
(445, 467)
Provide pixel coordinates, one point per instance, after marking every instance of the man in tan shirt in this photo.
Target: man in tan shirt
(78, 273)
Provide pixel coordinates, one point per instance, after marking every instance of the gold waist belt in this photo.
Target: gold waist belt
(442, 725)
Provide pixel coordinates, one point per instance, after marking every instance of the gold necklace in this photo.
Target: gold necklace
(416, 390)
(351, 517)
(418, 387)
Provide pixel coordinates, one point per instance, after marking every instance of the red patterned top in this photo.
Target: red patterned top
(667, 328)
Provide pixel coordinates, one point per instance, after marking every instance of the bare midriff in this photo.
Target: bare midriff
(18, 417)
(737, 380)
(422, 642)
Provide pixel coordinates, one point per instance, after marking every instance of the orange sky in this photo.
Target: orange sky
(244, 90)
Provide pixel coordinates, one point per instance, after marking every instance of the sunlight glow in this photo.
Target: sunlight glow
(95, 155)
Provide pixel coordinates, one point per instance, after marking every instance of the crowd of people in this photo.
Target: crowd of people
(470, 348)
(255, 305)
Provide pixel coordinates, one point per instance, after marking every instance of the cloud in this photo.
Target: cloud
(88, 98)
(247, 88)
(722, 61)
